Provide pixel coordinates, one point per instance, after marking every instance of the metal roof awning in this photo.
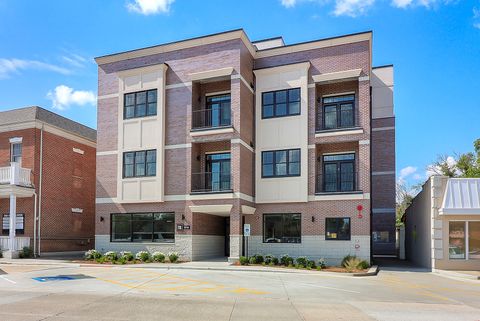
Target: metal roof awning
(462, 197)
(345, 75)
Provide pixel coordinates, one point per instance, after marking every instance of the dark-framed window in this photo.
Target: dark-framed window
(281, 103)
(339, 173)
(337, 228)
(217, 176)
(19, 222)
(16, 153)
(338, 111)
(282, 228)
(140, 104)
(140, 163)
(218, 110)
(142, 227)
(281, 163)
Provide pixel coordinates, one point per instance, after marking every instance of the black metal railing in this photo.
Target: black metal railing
(341, 124)
(207, 182)
(211, 118)
(337, 183)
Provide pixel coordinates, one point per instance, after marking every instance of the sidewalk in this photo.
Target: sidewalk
(469, 275)
(211, 265)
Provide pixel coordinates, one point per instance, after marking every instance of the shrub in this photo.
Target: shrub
(92, 255)
(252, 260)
(347, 258)
(111, 256)
(158, 257)
(352, 264)
(311, 264)
(100, 259)
(143, 256)
(26, 252)
(258, 258)
(268, 258)
(128, 256)
(301, 261)
(286, 260)
(243, 260)
(173, 257)
(363, 265)
(122, 260)
(321, 263)
(274, 261)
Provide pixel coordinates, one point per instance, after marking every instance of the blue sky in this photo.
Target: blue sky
(46, 56)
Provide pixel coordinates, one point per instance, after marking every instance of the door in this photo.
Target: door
(217, 176)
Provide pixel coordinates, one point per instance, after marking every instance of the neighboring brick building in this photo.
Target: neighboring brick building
(194, 142)
(47, 155)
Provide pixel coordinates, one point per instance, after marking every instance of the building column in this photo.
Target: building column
(12, 251)
(236, 233)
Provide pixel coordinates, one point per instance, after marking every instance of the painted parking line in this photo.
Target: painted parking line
(6, 279)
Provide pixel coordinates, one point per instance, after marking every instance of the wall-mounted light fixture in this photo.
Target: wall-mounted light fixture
(313, 218)
(183, 217)
(102, 219)
(198, 157)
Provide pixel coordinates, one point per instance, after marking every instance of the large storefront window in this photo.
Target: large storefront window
(282, 228)
(474, 240)
(456, 240)
(143, 227)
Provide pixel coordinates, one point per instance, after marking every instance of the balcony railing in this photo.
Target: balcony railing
(19, 243)
(15, 175)
(208, 182)
(343, 124)
(211, 118)
(334, 183)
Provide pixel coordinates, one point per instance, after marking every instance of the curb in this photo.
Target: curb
(371, 271)
(456, 274)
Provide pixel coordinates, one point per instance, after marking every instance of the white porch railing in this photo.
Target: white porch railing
(20, 243)
(15, 175)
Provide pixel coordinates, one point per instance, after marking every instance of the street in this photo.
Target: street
(132, 293)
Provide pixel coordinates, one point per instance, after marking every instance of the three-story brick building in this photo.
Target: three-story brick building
(198, 137)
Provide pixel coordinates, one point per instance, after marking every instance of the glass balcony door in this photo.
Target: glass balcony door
(217, 176)
(217, 112)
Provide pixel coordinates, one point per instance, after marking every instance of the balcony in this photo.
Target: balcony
(212, 118)
(15, 175)
(211, 182)
(337, 183)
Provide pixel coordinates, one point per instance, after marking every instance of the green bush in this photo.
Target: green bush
(311, 264)
(321, 263)
(347, 258)
(252, 260)
(122, 260)
(143, 256)
(173, 257)
(258, 258)
(92, 255)
(26, 252)
(274, 261)
(269, 259)
(111, 256)
(158, 257)
(286, 260)
(352, 264)
(363, 265)
(128, 256)
(243, 260)
(301, 261)
(100, 259)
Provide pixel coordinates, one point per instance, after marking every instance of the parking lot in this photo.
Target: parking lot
(49, 292)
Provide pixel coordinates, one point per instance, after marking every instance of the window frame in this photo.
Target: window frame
(17, 231)
(338, 219)
(338, 111)
(287, 103)
(466, 239)
(208, 107)
(12, 155)
(145, 167)
(132, 232)
(135, 108)
(338, 172)
(283, 226)
(287, 162)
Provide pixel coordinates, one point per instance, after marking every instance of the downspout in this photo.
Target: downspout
(35, 224)
(371, 196)
(40, 192)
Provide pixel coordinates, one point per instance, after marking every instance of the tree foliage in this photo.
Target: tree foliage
(463, 165)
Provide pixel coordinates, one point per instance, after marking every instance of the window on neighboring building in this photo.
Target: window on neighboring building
(143, 227)
(456, 240)
(20, 224)
(281, 103)
(337, 228)
(281, 163)
(140, 163)
(338, 112)
(474, 240)
(16, 153)
(140, 104)
(339, 173)
(282, 228)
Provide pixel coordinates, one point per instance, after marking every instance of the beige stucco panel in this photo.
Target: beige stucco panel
(382, 92)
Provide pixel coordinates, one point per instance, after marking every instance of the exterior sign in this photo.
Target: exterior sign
(246, 229)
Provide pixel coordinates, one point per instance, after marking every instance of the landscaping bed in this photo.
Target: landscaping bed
(350, 264)
(125, 257)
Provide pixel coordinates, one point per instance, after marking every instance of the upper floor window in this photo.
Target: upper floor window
(140, 104)
(16, 153)
(281, 103)
(140, 163)
(281, 163)
(338, 111)
(339, 173)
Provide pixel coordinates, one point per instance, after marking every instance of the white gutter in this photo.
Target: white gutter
(40, 191)
(35, 225)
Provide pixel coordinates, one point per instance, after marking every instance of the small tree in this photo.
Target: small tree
(463, 165)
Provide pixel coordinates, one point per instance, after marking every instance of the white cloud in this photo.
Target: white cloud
(424, 3)
(147, 7)
(401, 3)
(63, 97)
(288, 3)
(352, 8)
(75, 60)
(476, 17)
(14, 66)
(435, 170)
(407, 171)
